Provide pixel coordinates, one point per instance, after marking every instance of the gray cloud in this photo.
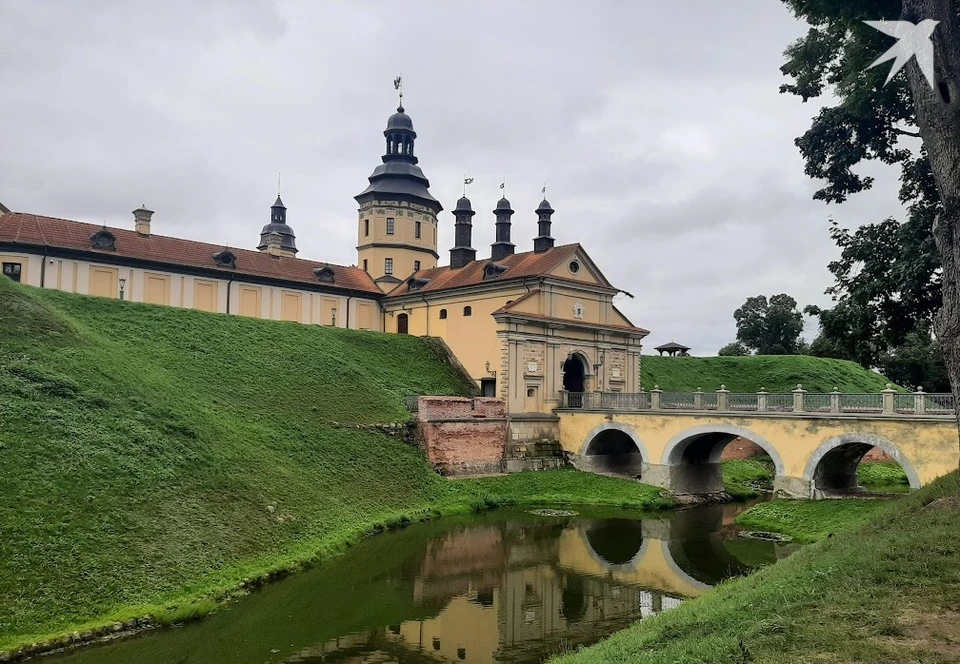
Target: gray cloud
(658, 130)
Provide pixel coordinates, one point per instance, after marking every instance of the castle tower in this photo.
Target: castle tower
(277, 237)
(397, 225)
(503, 247)
(463, 251)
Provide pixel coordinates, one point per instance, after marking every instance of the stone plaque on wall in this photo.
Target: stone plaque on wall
(533, 357)
(616, 362)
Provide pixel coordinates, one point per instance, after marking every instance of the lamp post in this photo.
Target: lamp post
(123, 282)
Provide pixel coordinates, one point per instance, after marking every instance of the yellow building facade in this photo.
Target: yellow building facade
(525, 325)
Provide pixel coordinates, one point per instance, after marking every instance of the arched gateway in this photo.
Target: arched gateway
(613, 449)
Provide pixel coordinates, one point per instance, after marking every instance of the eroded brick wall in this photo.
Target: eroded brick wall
(463, 436)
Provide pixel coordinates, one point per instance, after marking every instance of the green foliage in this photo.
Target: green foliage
(849, 598)
(809, 520)
(743, 478)
(917, 362)
(749, 374)
(887, 280)
(882, 474)
(769, 328)
(562, 487)
(151, 456)
(734, 349)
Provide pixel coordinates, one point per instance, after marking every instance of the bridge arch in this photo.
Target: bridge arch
(833, 465)
(705, 443)
(614, 448)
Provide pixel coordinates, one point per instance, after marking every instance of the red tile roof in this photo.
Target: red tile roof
(527, 264)
(37, 231)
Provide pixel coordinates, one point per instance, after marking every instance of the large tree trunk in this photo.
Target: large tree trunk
(938, 117)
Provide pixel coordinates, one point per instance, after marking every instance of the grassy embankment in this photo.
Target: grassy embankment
(776, 373)
(884, 590)
(153, 458)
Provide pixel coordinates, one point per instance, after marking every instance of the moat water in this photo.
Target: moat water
(506, 586)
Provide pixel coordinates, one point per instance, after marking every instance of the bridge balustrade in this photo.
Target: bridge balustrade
(886, 402)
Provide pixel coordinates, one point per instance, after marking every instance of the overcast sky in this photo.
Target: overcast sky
(657, 127)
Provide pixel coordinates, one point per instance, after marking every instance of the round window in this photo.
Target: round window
(574, 267)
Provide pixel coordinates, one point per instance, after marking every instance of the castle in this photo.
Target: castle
(525, 325)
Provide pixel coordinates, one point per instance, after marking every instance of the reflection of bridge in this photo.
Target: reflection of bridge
(516, 591)
(816, 441)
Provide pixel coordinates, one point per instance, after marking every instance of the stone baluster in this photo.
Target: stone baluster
(889, 398)
(655, 395)
(798, 405)
(762, 398)
(723, 402)
(919, 402)
(835, 400)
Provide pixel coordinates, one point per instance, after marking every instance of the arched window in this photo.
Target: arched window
(468, 311)
(443, 314)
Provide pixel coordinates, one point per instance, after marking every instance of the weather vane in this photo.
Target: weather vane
(398, 86)
(466, 181)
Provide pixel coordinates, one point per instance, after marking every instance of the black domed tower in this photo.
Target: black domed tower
(463, 251)
(503, 247)
(398, 216)
(543, 241)
(277, 237)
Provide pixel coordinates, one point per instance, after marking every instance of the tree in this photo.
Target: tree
(769, 328)
(917, 362)
(734, 349)
(871, 121)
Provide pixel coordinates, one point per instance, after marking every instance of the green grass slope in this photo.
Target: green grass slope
(150, 456)
(777, 373)
(885, 590)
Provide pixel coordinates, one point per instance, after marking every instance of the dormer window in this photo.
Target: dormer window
(324, 274)
(103, 240)
(493, 270)
(225, 258)
(416, 284)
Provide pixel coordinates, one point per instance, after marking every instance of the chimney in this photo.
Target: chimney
(543, 241)
(141, 220)
(502, 247)
(463, 251)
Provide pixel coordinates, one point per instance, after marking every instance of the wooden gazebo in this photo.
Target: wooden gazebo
(673, 348)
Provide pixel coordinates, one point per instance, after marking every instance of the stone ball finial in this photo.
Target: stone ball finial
(722, 386)
(799, 386)
(889, 386)
(836, 388)
(656, 386)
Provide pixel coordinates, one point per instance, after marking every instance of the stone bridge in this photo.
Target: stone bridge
(816, 441)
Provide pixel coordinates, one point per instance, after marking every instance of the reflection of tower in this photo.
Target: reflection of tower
(397, 226)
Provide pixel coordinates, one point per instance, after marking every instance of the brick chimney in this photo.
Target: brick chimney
(141, 220)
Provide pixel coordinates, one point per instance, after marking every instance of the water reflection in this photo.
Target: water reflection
(505, 587)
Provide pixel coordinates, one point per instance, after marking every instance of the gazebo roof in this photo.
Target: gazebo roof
(673, 345)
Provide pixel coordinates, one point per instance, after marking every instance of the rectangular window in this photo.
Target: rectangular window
(365, 265)
(416, 266)
(389, 225)
(366, 228)
(12, 270)
(416, 227)
(388, 266)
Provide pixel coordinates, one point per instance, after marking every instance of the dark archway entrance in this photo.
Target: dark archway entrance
(574, 373)
(613, 452)
(403, 323)
(841, 471)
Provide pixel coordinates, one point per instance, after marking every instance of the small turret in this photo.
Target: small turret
(463, 251)
(503, 247)
(543, 241)
(277, 237)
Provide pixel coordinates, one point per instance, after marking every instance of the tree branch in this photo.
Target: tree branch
(904, 132)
